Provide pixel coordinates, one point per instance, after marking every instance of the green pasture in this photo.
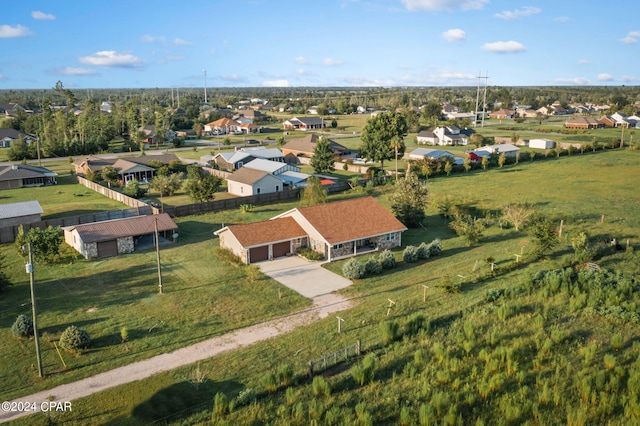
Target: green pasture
(551, 361)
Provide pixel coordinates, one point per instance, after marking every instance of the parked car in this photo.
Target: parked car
(237, 132)
(252, 141)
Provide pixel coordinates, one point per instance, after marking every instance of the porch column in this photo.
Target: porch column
(355, 247)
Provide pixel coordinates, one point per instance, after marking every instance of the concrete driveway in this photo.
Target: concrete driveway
(309, 279)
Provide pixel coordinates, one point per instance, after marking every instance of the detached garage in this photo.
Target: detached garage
(119, 236)
(266, 240)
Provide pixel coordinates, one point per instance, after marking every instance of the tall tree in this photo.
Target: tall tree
(409, 201)
(201, 186)
(322, 159)
(314, 193)
(378, 135)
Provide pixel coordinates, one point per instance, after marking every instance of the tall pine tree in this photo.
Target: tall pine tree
(322, 160)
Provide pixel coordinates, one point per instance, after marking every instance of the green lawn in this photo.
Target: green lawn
(540, 345)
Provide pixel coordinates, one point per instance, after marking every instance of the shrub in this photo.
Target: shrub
(364, 373)
(435, 247)
(353, 269)
(617, 341)
(321, 387)
(74, 338)
(22, 327)
(220, 404)
(246, 396)
(387, 259)
(270, 382)
(373, 266)
(309, 254)
(423, 251)
(390, 331)
(410, 254)
(285, 374)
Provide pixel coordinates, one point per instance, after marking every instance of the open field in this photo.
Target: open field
(529, 353)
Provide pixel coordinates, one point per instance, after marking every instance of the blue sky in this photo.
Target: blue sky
(259, 43)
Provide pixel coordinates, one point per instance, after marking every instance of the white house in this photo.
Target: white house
(245, 181)
(503, 148)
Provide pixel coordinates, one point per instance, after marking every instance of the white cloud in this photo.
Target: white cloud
(330, 62)
(629, 79)
(2, 77)
(276, 83)
(631, 38)
(111, 58)
(444, 4)
(152, 39)
(576, 81)
(234, 78)
(454, 35)
(456, 75)
(584, 62)
(301, 60)
(302, 71)
(509, 15)
(561, 19)
(75, 71)
(181, 42)
(504, 47)
(604, 77)
(7, 31)
(36, 14)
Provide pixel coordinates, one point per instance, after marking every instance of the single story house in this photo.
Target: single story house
(128, 167)
(304, 147)
(336, 230)
(13, 214)
(427, 138)
(22, 175)
(246, 181)
(583, 123)
(541, 143)
(502, 114)
(434, 154)
(507, 149)
(304, 123)
(9, 135)
(222, 125)
(273, 167)
(118, 236)
(236, 159)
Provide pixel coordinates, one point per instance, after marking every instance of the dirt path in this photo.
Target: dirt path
(323, 306)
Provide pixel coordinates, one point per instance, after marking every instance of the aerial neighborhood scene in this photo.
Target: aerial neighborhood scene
(383, 212)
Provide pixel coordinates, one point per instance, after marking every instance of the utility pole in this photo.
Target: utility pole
(34, 310)
(158, 257)
(205, 85)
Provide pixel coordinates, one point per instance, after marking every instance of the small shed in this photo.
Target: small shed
(118, 236)
(20, 213)
(542, 143)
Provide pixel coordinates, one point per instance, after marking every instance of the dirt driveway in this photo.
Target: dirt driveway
(309, 279)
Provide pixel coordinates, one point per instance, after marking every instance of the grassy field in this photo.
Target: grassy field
(527, 354)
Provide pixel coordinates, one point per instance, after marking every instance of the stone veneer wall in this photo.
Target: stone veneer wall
(346, 250)
(383, 243)
(91, 250)
(125, 245)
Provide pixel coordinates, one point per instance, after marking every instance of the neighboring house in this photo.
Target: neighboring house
(336, 230)
(502, 114)
(21, 175)
(621, 120)
(449, 135)
(607, 121)
(119, 236)
(124, 166)
(304, 123)
(245, 181)
(541, 143)
(222, 125)
(528, 113)
(304, 147)
(504, 148)
(150, 134)
(434, 154)
(10, 109)
(273, 167)
(462, 115)
(236, 159)
(9, 135)
(21, 213)
(583, 123)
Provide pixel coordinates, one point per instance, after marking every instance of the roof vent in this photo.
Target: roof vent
(14, 167)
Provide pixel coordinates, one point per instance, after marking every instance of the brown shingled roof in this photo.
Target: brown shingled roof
(131, 226)
(352, 219)
(267, 231)
(247, 175)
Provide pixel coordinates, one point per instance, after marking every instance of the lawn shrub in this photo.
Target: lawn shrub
(246, 396)
(309, 254)
(227, 257)
(373, 266)
(423, 251)
(617, 341)
(74, 338)
(410, 254)
(387, 259)
(22, 327)
(353, 269)
(414, 324)
(435, 247)
(364, 373)
(270, 382)
(220, 404)
(285, 375)
(321, 387)
(390, 331)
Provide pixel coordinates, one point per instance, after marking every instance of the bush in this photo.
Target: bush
(309, 254)
(246, 397)
(423, 251)
(435, 247)
(387, 259)
(22, 327)
(321, 387)
(74, 338)
(353, 270)
(364, 373)
(410, 254)
(285, 374)
(373, 266)
(390, 331)
(270, 382)
(220, 404)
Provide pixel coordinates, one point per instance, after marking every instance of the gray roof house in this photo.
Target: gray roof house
(503, 148)
(9, 135)
(21, 175)
(236, 159)
(21, 213)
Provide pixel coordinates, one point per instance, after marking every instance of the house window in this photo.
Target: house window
(391, 237)
(240, 164)
(337, 246)
(257, 190)
(277, 188)
(241, 189)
